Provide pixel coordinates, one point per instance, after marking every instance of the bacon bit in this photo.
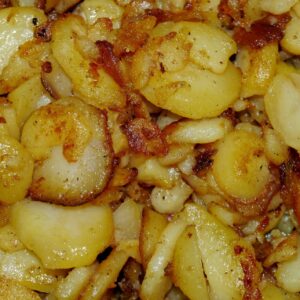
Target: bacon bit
(5, 3)
(238, 249)
(203, 159)
(41, 4)
(268, 30)
(145, 137)
(168, 269)
(2, 120)
(109, 61)
(47, 67)
(231, 13)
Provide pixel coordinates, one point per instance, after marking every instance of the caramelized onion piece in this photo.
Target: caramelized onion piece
(70, 143)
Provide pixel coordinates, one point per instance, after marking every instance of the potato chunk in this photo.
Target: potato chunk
(70, 141)
(101, 90)
(73, 236)
(16, 168)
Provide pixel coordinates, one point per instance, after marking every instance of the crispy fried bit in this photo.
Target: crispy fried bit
(145, 137)
(262, 32)
(109, 61)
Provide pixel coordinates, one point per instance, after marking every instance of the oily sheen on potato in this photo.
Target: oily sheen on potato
(73, 236)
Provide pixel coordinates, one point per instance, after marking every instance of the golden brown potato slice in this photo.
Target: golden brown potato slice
(153, 225)
(182, 65)
(11, 290)
(16, 168)
(74, 235)
(229, 261)
(187, 270)
(97, 89)
(71, 143)
(25, 268)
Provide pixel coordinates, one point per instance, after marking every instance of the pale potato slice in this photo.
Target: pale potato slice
(27, 97)
(170, 200)
(227, 258)
(186, 92)
(101, 91)
(197, 131)
(240, 167)
(277, 7)
(70, 140)
(11, 290)
(74, 235)
(282, 103)
(16, 28)
(24, 64)
(25, 268)
(16, 169)
(210, 46)
(258, 67)
(8, 118)
(182, 65)
(271, 291)
(156, 283)
(275, 148)
(287, 274)
(105, 275)
(187, 270)
(92, 10)
(127, 221)
(9, 241)
(153, 225)
(55, 81)
(290, 41)
(69, 288)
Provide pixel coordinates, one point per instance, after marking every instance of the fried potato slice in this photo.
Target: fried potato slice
(16, 28)
(240, 166)
(27, 97)
(25, 268)
(101, 90)
(69, 288)
(156, 283)
(187, 270)
(16, 169)
(282, 103)
(181, 66)
(74, 235)
(228, 260)
(11, 290)
(105, 275)
(153, 225)
(70, 140)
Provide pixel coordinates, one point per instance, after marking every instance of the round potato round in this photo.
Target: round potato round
(71, 145)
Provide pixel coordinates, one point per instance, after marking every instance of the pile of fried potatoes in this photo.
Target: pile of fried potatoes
(149, 149)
